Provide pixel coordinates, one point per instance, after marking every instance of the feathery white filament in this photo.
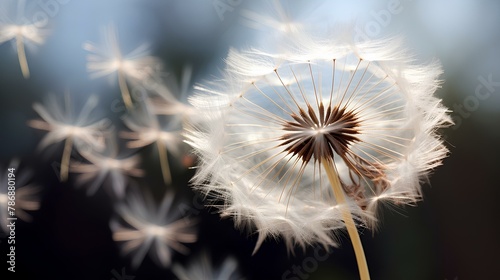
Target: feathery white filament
(364, 106)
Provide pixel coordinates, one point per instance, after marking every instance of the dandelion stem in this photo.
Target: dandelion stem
(347, 217)
(21, 54)
(124, 90)
(68, 145)
(165, 167)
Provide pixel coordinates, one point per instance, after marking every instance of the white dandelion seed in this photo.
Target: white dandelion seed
(21, 30)
(146, 129)
(275, 19)
(135, 67)
(150, 228)
(62, 125)
(27, 196)
(107, 164)
(309, 140)
(202, 267)
(172, 100)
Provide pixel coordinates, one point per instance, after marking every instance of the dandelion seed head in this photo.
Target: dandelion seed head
(144, 227)
(27, 195)
(107, 164)
(61, 124)
(14, 24)
(107, 58)
(365, 107)
(202, 266)
(319, 136)
(147, 128)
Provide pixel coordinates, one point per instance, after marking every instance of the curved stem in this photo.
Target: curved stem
(333, 177)
(21, 54)
(165, 167)
(124, 90)
(68, 145)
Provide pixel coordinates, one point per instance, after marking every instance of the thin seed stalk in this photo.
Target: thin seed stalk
(124, 90)
(68, 145)
(333, 177)
(21, 54)
(165, 167)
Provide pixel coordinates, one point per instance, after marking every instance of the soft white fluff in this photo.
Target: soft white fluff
(108, 59)
(16, 23)
(147, 128)
(242, 157)
(106, 165)
(27, 195)
(61, 124)
(202, 267)
(143, 226)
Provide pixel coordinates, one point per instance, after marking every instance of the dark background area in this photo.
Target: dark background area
(452, 234)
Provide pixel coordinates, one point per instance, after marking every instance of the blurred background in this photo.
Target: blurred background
(452, 234)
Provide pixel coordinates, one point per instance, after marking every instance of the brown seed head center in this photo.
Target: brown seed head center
(320, 134)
